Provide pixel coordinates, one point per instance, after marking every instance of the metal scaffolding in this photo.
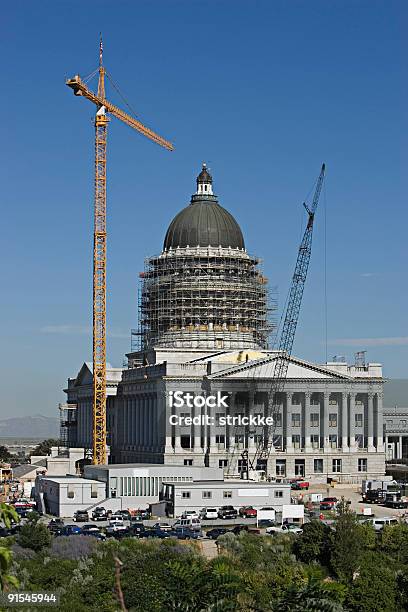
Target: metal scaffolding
(204, 298)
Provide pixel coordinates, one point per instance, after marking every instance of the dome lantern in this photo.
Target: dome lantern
(204, 182)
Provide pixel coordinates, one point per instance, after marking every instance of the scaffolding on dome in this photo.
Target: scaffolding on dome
(205, 298)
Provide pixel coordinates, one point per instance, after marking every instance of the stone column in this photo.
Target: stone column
(231, 412)
(400, 447)
(167, 426)
(353, 445)
(287, 408)
(211, 429)
(308, 428)
(344, 423)
(251, 412)
(380, 428)
(370, 422)
(196, 430)
(325, 422)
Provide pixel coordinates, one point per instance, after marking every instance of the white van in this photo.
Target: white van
(192, 522)
(380, 523)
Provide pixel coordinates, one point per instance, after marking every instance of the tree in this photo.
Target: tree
(5, 455)
(33, 534)
(394, 541)
(7, 514)
(374, 586)
(349, 542)
(44, 447)
(313, 543)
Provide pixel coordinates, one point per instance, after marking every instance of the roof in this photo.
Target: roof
(72, 480)
(144, 466)
(228, 484)
(22, 470)
(204, 223)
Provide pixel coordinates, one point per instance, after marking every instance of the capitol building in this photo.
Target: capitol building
(205, 317)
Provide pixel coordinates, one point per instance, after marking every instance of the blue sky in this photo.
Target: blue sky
(264, 91)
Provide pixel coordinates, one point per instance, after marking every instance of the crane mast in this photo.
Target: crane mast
(99, 243)
(99, 278)
(285, 345)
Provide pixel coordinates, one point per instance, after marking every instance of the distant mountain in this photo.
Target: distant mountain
(36, 426)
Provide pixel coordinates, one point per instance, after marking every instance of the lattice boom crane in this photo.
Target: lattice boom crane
(285, 345)
(99, 251)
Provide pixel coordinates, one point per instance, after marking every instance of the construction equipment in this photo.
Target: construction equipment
(280, 361)
(99, 252)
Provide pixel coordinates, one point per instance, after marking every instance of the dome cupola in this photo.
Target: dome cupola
(204, 223)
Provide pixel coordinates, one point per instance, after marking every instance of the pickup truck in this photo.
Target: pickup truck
(247, 512)
(328, 503)
(289, 528)
(299, 485)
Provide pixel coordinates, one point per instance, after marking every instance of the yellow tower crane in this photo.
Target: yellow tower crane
(99, 252)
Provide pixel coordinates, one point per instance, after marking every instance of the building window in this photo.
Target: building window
(333, 402)
(362, 465)
(70, 493)
(94, 490)
(336, 466)
(258, 438)
(220, 440)
(358, 420)
(296, 399)
(315, 401)
(314, 419)
(183, 416)
(333, 441)
(240, 440)
(206, 495)
(278, 419)
(359, 440)
(333, 420)
(185, 441)
(403, 423)
(277, 442)
(295, 419)
(188, 462)
(315, 441)
(296, 441)
(318, 466)
(185, 494)
(281, 467)
(299, 467)
(227, 494)
(222, 463)
(278, 494)
(218, 416)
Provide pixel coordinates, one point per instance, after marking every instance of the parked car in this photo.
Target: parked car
(139, 514)
(238, 528)
(188, 513)
(209, 513)
(136, 530)
(125, 514)
(227, 512)
(56, 526)
(69, 530)
(99, 514)
(297, 485)
(95, 534)
(90, 527)
(162, 534)
(115, 526)
(288, 528)
(213, 534)
(185, 533)
(328, 503)
(267, 523)
(116, 516)
(162, 526)
(380, 523)
(247, 512)
(193, 522)
(81, 516)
